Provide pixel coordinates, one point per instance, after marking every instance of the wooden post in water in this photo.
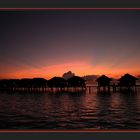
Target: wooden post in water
(109, 88)
(114, 88)
(89, 89)
(98, 88)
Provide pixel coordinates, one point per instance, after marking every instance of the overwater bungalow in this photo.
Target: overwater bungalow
(39, 82)
(25, 83)
(103, 81)
(57, 82)
(76, 81)
(8, 83)
(127, 80)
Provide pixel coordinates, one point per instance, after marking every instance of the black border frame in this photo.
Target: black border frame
(16, 135)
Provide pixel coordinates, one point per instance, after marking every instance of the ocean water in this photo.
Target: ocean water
(66, 111)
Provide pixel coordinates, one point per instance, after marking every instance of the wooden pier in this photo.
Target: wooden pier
(112, 88)
(89, 89)
(44, 89)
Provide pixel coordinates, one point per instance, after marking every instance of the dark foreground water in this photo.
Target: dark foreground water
(70, 111)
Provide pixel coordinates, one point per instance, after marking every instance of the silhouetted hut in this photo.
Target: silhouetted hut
(76, 81)
(4, 83)
(9, 83)
(57, 82)
(25, 83)
(13, 83)
(39, 82)
(127, 80)
(103, 81)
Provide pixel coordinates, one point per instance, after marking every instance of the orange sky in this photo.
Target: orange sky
(80, 68)
(50, 44)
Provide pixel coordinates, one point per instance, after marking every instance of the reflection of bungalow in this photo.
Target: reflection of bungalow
(127, 80)
(57, 82)
(76, 81)
(103, 81)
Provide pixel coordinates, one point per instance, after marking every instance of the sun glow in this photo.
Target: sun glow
(80, 68)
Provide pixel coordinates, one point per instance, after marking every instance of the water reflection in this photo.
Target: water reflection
(78, 110)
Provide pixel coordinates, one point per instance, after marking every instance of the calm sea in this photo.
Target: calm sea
(78, 110)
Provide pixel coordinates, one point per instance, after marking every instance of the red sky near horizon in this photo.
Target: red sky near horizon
(47, 44)
(79, 68)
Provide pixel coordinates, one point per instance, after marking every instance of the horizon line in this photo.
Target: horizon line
(97, 75)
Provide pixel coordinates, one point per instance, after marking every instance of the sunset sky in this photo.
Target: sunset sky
(50, 43)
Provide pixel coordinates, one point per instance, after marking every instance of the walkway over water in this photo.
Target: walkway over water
(88, 88)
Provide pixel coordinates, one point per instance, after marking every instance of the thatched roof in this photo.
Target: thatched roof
(76, 78)
(103, 78)
(128, 77)
(56, 82)
(56, 79)
(39, 79)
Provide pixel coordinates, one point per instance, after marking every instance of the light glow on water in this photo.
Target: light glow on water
(114, 111)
